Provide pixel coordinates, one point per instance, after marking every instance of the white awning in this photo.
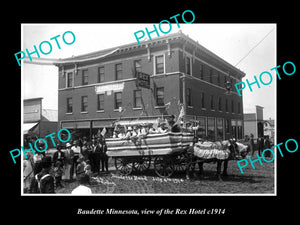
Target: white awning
(136, 122)
(28, 126)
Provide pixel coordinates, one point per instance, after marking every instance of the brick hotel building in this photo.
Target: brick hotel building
(99, 88)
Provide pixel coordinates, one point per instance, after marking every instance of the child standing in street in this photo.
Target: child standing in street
(58, 172)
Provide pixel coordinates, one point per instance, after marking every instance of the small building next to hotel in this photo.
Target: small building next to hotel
(145, 82)
(38, 122)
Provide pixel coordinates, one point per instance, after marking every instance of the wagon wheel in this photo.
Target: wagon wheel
(142, 164)
(163, 166)
(123, 165)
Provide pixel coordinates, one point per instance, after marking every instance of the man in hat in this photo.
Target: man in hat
(104, 157)
(43, 182)
(58, 155)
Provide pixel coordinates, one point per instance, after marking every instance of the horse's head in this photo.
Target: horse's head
(237, 149)
(242, 150)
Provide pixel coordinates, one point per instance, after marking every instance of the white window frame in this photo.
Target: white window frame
(187, 54)
(67, 72)
(154, 62)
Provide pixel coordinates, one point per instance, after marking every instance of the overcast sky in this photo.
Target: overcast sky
(229, 41)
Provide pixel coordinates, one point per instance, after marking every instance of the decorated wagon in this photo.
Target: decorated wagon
(166, 150)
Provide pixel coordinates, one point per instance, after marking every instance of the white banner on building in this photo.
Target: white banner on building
(101, 89)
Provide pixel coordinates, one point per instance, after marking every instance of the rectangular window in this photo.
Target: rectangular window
(137, 95)
(226, 105)
(118, 100)
(212, 106)
(159, 64)
(189, 96)
(69, 105)
(70, 79)
(220, 128)
(100, 102)
(84, 103)
(202, 100)
(239, 129)
(218, 79)
(220, 104)
(211, 129)
(137, 67)
(188, 65)
(227, 122)
(210, 76)
(232, 106)
(239, 108)
(85, 77)
(119, 71)
(201, 71)
(160, 96)
(201, 132)
(101, 74)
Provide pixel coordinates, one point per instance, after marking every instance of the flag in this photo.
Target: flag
(167, 105)
(103, 132)
(181, 114)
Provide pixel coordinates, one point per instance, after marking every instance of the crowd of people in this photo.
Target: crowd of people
(262, 142)
(79, 160)
(139, 131)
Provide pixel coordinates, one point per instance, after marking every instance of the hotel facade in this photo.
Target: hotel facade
(97, 89)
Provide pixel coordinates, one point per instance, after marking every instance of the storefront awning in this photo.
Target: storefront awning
(28, 126)
(136, 122)
(86, 124)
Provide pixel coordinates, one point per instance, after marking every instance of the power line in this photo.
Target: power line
(255, 46)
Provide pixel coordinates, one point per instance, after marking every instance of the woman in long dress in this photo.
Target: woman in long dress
(69, 154)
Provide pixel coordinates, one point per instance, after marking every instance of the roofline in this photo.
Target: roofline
(31, 99)
(146, 43)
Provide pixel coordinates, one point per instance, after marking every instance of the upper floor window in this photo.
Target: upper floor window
(137, 98)
(118, 100)
(210, 75)
(137, 66)
(188, 65)
(101, 74)
(202, 98)
(218, 79)
(226, 105)
(160, 96)
(212, 106)
(84, 103)
(189, 96)
(119, 71)
(201, 71)
(70, 79)
(100, 102)
(69, 105)
(85, 77)
(220, 104)
(159, 64)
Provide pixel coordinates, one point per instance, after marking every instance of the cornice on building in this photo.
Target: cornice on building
(166, 39)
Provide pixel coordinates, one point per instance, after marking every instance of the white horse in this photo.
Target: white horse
(219, 152)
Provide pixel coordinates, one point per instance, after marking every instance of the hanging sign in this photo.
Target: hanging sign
(143, 80)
